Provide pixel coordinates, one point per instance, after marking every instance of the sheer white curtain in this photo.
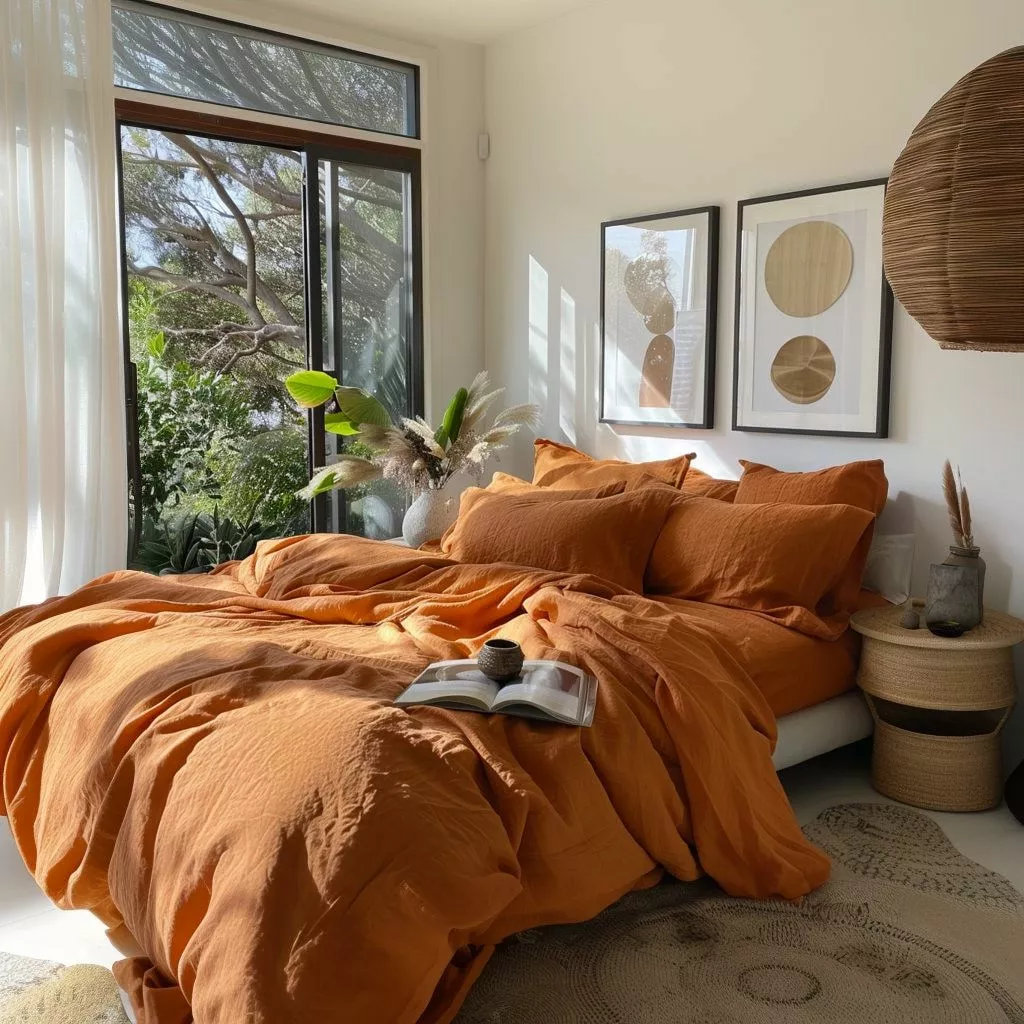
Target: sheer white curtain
(62, 451)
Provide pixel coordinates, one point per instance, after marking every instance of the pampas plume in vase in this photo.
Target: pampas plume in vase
(964, 552)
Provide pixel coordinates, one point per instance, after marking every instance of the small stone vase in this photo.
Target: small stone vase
(952, 602)
(500, 660)
(970, 557)
(433, 511)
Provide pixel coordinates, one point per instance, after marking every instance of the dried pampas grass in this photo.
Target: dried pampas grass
(958, 505)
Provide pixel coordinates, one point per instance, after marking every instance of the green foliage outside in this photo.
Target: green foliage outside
(209, 448)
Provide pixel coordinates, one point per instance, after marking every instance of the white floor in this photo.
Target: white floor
(31, 926)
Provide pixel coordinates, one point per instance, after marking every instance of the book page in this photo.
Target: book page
(452, 681)
(554, 688)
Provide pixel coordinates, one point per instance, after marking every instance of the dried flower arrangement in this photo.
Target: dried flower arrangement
(958, 506)
(411, 453)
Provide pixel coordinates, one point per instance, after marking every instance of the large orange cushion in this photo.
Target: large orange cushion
(862, 484)
(561, 531)
(698, 482)
(562, 466)
(506, 483)
(775, 559)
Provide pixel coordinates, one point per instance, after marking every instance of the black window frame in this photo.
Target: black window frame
(313, 147)
(272, 35)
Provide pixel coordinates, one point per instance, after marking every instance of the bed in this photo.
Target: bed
(213, 766)
(820, 728)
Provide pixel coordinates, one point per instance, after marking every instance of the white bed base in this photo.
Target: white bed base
(819, 729)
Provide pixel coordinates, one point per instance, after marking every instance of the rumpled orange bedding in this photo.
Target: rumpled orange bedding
(792, 670)
(212, 765)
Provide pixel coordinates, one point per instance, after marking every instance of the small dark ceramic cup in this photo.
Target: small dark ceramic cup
(947, 629)
(500, 660)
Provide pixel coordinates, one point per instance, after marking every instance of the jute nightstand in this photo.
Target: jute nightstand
(939, 707)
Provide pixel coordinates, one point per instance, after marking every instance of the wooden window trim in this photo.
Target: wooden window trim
(178, 119)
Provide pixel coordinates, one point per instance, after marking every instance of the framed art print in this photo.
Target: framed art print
(659, 285)
(813, 313)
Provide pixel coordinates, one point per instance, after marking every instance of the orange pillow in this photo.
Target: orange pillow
(506, 483)
(778, 560)
(861, 484)
(706, 486)
(561, 531)
(564, 467)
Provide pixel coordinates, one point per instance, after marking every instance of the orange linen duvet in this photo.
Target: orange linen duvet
(212, 765)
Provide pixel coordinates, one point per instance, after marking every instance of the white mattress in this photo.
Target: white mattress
(819, 729)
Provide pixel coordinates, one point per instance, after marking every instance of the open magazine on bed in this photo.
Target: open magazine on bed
(548, 690)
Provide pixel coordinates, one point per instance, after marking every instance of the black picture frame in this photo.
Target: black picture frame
(882, 410)
(710, 321)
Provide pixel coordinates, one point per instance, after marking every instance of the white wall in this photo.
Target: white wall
(452, 88)
(639, 106)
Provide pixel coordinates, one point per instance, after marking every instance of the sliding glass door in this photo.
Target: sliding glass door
(365, 219)
(245, 259)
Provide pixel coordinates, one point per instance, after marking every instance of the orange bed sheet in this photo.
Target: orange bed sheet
(792, 670)
(214, 767)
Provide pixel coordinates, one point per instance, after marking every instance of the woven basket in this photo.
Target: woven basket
(953, 229)
(943, 773)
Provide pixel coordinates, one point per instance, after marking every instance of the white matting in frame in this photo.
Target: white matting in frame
(813, 313)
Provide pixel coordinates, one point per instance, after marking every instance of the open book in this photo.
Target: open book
(549, 690)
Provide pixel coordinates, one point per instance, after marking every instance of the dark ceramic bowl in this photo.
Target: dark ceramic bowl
(500, 660)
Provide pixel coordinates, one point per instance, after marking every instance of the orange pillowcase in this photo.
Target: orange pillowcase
(861, 484)
(564, 467)
(775, 559)
(611, 537)
(506, 483)
(706, 486)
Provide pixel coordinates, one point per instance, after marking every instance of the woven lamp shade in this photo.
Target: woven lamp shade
(953, 230)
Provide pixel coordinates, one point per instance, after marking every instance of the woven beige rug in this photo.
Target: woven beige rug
(908, 931)
(38, 992)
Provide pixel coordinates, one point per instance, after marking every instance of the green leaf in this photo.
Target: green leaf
(360, 407)
(310, 388)
(339, 423)
(321, 482)
(156, 345)
(452, 422)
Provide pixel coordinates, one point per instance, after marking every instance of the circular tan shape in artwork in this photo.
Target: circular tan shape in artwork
(663, 319)
(808, 267)
(651, 282)
(803, 370)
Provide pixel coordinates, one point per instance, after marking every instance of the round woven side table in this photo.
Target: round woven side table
(939, 707)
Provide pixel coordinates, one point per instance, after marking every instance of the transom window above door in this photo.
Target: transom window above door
(174, 53)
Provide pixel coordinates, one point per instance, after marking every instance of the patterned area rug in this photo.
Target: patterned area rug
(37, 992)
(908, 931)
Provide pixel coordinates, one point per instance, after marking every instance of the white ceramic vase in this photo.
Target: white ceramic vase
(433, 511)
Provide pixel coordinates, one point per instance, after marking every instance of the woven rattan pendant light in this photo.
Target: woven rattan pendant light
(953, 232)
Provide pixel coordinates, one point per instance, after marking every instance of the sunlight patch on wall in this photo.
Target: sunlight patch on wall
(567, 368)
(538, 343)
